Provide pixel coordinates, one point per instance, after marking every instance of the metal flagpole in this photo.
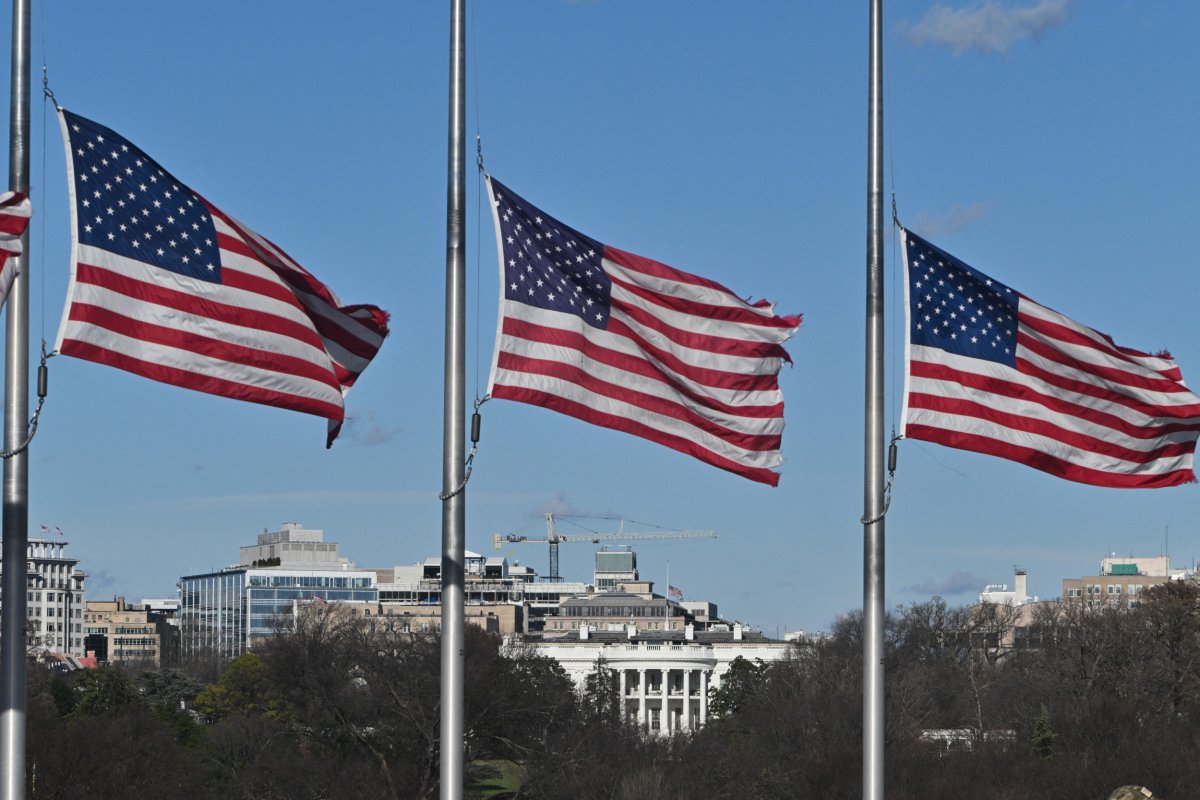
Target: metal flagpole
(16, 416)
(873, 542)
(452, 745)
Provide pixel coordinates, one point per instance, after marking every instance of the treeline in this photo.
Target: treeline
(1068, 702)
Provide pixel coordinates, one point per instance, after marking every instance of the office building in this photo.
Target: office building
(1121, 581)
(54, 599)
(225, 612)
(489, 583)
(115, 631)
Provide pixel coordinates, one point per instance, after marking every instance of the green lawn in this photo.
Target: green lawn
(496, 778)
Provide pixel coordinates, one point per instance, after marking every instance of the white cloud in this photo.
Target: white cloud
(957, 583)
(991, 26)
(957, 218)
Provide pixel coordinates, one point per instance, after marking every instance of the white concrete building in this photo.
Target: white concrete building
(999, 594)
(487, 581)
(54, 599)
(664, 677)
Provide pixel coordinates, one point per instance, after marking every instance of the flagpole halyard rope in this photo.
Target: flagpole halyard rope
(43, 390)
(469, 464)
(887, 488)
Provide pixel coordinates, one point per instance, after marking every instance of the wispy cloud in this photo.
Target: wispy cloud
(561, 505)
(100, 579)
(991, 26)
(957, 218)
(365, 430)
(958, 582)
(557, 504)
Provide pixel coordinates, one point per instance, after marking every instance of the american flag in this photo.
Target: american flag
(628, 343)
(14, 218)
(674, 593)
(987, 369)
(166, 285)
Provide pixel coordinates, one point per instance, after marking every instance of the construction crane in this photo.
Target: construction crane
(554, 538)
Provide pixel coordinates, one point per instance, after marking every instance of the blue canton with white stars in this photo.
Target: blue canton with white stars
(127, 204)
(550, 265)
(957, 308)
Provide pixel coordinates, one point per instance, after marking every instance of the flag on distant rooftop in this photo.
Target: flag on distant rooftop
(987, 369)
(166, 285)
(14, 218)
(45, 529)
(628, 343)
(58, 530)
(674, 593)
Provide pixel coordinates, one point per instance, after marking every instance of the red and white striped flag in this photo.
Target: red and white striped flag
(987, 369)
(14, 219)
(166, 285)
(628, 343)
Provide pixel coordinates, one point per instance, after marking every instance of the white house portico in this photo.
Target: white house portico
(663, 677)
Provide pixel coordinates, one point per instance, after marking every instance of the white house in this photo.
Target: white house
(664, 677)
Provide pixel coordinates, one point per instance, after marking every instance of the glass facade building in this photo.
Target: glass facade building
(224, 612)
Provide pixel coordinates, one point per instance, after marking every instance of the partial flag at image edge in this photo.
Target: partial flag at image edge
(167, 286)
(991, 371)
(15, 211)
(629, 343)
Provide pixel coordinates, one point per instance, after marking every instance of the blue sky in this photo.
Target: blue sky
(1046, 142)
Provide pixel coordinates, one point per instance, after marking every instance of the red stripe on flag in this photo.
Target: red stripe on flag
(1111, 374)
(1039, 427)
(686, 305)
(719, 345)
(649, 402)
(573, 409)
(1018, 391)
(206, 346)
(197, 304)
(200, 383)
(294, 282)
(13, 224)
(716, 378)
(1047, 463)
(560, 337)
(649, 266)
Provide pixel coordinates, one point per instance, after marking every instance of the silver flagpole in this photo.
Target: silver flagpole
(452, 746)
(16, 416)
(873, 542)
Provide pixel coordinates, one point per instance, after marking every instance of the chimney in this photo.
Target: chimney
(631, 630)
(737, 631)
(583, 631)
(1021, 596)
(689, 632)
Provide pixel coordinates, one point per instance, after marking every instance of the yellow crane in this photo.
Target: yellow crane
(554, 538)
